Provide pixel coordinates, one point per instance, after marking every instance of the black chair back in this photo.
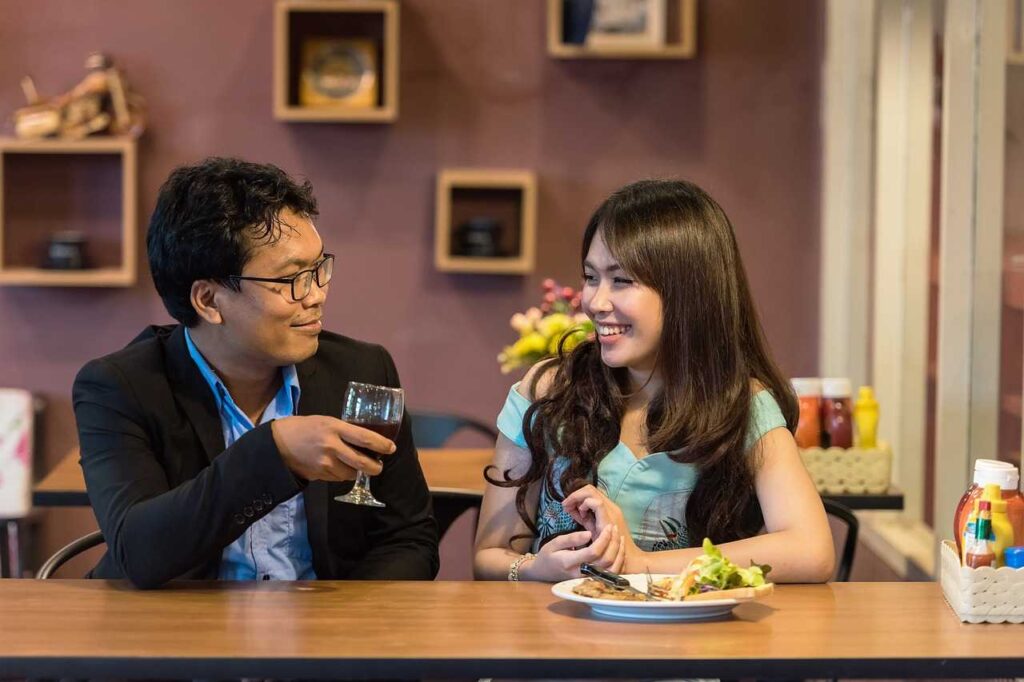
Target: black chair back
(844, 515)
(433, 429)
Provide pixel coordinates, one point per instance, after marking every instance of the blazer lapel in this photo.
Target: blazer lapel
(315, 399)
(194, 395)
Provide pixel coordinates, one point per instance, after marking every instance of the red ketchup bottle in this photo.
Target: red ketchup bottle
(836, 413)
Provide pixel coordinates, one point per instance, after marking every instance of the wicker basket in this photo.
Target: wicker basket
(853, 470)
(982, 595)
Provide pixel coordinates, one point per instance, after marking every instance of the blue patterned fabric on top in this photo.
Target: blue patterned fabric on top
(652, 491)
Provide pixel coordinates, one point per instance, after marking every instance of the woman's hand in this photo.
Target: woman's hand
(592, 509)
(560, 558)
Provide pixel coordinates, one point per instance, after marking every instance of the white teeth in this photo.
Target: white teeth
(612, 330)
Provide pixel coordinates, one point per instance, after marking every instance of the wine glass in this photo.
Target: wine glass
(379, 409)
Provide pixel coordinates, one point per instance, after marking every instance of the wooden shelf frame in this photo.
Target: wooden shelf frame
(685, 48)
(122, 276)
(452, 179)
(386, 111)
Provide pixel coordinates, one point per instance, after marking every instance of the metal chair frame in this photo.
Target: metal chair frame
(68, 552)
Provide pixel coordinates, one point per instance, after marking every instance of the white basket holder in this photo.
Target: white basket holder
(982, 595)
(852, 470)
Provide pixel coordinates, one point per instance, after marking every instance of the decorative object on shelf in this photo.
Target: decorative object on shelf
(65, 251)
(627, 23)
(485, 221)
(480, 237)
(339, 72)
(849, 470)
(101, 103)
(622, 29)
(576, 18)
(76, 166)
(541, 329)
(336, 61)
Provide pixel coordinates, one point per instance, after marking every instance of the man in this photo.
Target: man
(212, 448)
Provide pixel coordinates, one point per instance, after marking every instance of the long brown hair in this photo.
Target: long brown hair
(674, 238)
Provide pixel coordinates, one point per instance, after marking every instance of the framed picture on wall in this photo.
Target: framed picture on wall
(627, 23)
(339, 72)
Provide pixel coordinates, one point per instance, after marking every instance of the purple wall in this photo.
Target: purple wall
(477, 89)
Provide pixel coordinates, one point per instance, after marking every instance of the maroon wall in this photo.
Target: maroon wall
(477, 89)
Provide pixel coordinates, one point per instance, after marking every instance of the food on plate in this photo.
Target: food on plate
(598, 590)
(710, 572)
(709, 576)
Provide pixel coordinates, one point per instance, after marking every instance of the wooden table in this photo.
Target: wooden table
(77, 628)
(452, 472)
(448, 471)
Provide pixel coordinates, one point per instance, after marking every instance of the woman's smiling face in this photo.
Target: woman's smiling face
(626, 313)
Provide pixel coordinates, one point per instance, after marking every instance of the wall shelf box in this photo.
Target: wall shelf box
(505, 197)
(680, 36)
(53, 185)
(321, 47)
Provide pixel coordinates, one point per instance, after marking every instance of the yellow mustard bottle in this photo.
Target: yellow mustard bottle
(1002, 529)
(865, 418)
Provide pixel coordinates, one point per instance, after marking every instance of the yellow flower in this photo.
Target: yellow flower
(554, 325)
(573, 337)
(530, 344)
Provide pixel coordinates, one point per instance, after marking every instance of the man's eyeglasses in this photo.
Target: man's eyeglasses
(301, 282)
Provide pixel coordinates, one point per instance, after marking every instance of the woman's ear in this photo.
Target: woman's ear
(204, 301)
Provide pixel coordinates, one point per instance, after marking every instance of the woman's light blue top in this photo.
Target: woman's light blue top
(651, 491)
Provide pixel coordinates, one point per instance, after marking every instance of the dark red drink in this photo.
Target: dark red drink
(386, 429)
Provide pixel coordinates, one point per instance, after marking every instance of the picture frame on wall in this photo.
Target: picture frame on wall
(339, 72)
(627, 24)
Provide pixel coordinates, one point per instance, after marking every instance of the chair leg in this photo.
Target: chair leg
(14, 548)
(10, 549)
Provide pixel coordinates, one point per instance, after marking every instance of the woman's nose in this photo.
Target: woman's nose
(600, 302)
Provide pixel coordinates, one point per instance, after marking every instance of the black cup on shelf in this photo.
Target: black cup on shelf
(65, 251)
(479, 237)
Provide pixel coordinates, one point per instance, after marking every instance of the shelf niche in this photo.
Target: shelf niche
(506, 197)
(680, 36)
(299, 21)
(52, 185)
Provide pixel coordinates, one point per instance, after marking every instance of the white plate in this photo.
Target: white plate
(645, 610)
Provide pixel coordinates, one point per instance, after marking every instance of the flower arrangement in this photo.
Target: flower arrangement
(541, 329)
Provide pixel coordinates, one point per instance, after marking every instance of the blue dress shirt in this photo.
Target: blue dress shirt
(276, 547)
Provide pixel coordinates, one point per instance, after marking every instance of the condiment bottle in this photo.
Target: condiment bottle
(964, 540)
(1007, 477)
(865, 418)
(980, 553)
(808, 428)
(836, 422)
(1002, 531)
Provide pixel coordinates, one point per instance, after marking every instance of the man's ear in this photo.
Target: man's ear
(204, 300)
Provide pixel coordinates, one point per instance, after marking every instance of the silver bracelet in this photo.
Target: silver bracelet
(513, 570)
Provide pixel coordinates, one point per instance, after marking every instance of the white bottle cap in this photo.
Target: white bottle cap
(835, 387)
(1004, 474)
(807, 387)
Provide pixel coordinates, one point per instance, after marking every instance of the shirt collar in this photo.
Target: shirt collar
(286, 399)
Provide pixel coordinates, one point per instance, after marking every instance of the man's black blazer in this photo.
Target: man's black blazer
(169, 497)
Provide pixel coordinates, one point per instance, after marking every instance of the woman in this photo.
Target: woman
(672, 425)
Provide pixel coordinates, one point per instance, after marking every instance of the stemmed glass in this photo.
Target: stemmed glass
(379, 409)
